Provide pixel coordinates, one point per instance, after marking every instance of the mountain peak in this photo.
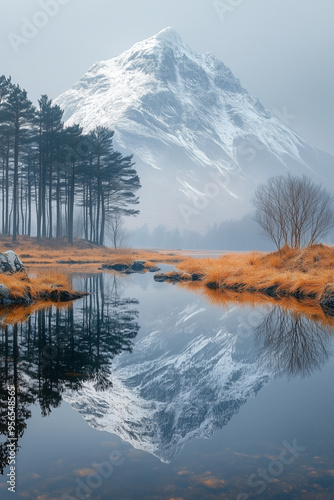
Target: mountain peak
(169, 34)
(168, 37)
(182, 113)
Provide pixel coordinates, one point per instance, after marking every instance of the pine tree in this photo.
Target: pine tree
(50, 143)
(45, 165)
(17, 116)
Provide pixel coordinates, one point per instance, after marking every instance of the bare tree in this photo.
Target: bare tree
(293, 211)
(116, 231)
(291, 343)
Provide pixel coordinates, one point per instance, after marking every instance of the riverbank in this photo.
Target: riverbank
(301, 274)
(82, 255)
(51, 263)
(19, 288)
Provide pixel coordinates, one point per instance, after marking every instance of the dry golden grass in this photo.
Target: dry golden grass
(300, 273)
(306, 272)
(38, 287)
(151, 258)
(58, 254)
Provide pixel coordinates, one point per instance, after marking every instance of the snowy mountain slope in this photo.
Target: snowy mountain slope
(200, 141)
(183, 380)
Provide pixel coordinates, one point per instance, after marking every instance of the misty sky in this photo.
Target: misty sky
(282, 50)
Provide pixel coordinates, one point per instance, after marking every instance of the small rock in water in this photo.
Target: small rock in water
(197, 277)
(115, 267)
(172, 277)
(153, 269)
(138, 265)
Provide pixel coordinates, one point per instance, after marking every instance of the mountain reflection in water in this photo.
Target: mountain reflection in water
(188, 374)
(57, 348)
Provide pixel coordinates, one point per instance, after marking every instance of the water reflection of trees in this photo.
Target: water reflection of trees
(292, 343)
(56, 349)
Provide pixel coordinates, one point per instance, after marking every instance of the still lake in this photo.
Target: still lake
(146, 390)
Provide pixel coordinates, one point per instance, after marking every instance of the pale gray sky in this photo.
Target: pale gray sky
(282, 50)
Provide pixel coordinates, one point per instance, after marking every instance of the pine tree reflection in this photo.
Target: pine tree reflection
(11, 374)
(292, 344)
(56, 349)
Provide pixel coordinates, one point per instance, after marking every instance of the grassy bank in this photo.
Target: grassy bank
(51, 261)
(58, 254)
(305, 273)
(302, 274)
(54, 286)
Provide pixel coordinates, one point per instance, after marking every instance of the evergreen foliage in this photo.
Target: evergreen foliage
(55, 179)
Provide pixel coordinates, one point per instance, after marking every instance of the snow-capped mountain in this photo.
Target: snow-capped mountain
(200, 141)
(185, 378)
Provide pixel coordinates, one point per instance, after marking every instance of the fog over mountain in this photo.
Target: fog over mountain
(200, 141)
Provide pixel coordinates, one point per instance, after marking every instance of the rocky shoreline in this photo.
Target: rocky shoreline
(18, 288)
(138, 266)
(326, 300)
(11, 265)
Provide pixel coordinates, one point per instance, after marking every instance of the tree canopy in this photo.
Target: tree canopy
(56, 181)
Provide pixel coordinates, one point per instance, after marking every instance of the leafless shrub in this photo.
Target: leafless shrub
(293, 211)
(116, 231)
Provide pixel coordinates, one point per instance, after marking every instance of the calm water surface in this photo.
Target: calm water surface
(145, 390)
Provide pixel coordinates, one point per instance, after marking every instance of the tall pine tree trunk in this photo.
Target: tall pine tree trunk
(7, 192)
(58, 202)
(103, 220)
(16, 180)
(50, 202)
(40, 184)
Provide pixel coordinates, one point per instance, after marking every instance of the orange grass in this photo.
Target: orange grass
(38, 287)
(82, 255)
(306, 272)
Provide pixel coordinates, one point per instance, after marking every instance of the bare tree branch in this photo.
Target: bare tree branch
(293, 211)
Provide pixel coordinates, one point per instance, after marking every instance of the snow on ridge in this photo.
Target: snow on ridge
(184, 115)
(112, 87)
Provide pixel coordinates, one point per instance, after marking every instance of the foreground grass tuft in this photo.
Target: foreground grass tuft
(52, 285)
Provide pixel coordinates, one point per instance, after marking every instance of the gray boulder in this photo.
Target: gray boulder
(11, 263)
(115, 267)
(4, 292)
(138, 265)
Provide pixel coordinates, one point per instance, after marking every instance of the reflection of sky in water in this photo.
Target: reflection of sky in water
(201, 357)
